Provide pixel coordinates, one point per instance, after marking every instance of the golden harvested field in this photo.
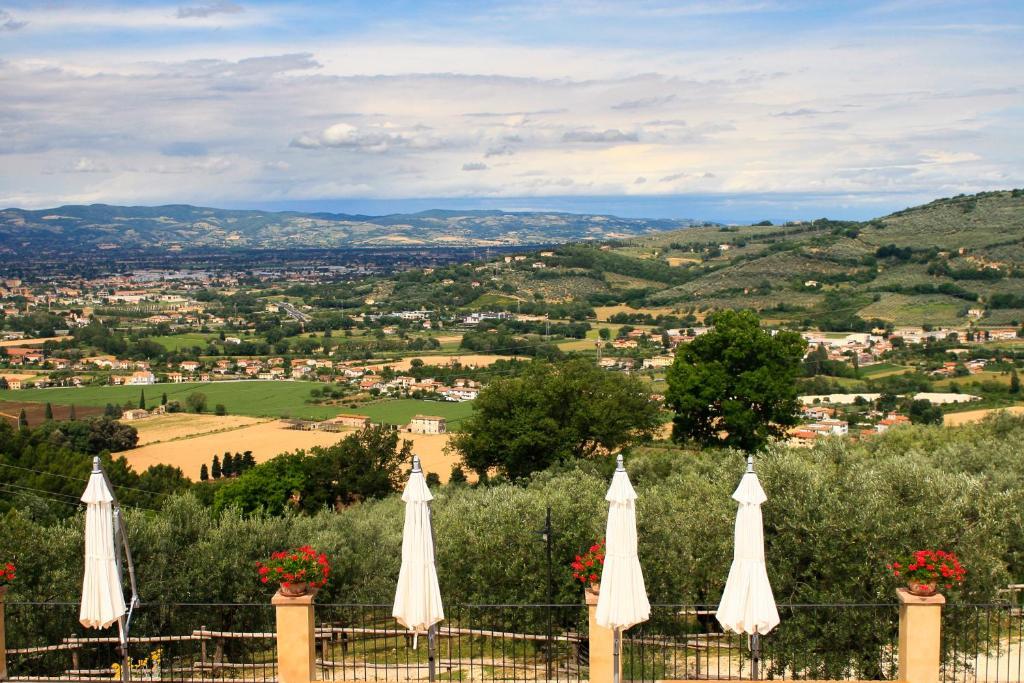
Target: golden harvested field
(605, 312)
(18, 375)
(957, 419)
(38, 341)
(479, 360)
(186, 425)
(265, 440)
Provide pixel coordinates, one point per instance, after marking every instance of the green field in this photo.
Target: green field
(883, 370)
(176, 342)
(400, 411)
(250, 397)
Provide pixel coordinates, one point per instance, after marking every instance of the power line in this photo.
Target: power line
(61, 497)
(81, 479)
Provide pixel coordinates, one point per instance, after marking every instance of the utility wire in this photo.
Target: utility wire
(81, 479)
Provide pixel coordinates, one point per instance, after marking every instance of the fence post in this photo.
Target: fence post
(920, 636)
(602, 646)
(296, 646)
(3, 637)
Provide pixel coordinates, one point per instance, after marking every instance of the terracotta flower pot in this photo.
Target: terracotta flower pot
(594, 588)
(294, 590)
(922, 588)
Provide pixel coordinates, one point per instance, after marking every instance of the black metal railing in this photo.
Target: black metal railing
(474, 642)
(982, 643)
(169, 642)
(839, 641)
(230, 643)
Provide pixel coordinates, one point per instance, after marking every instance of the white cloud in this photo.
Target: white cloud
(9, 23)
(608, 135)
(210, 8)
(395, 114)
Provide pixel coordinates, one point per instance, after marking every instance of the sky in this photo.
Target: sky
(727, 110)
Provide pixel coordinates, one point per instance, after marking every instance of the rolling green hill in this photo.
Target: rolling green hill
(929, 264)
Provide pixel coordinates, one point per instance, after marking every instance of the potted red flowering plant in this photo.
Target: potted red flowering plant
(586, 568)
(6, 576)
(924, 570)
(297, 571)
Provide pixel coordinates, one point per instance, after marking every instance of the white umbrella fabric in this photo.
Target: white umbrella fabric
(622, 601)
(102, 596)
(418, 597)
(747, 604)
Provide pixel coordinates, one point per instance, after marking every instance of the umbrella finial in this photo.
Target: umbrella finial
(96, 464)
(618, 464)
(750, 463)
(416, 464)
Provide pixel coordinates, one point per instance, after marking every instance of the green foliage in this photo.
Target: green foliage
(365, 464)
(836, 515)
(91, 437)
(921, 411)
(738, 379)
(196, 402)
(554, 412)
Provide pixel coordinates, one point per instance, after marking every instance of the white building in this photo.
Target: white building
(428, 424)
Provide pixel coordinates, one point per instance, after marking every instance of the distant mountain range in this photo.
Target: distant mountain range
(180, 227)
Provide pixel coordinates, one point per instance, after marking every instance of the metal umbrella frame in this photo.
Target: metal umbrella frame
(122, 558)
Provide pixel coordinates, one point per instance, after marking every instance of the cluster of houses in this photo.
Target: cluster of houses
(459, 390)
(822, 422)
(418, 424)
(140, 373)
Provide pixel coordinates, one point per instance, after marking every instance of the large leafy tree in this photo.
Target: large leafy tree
(555, 411)
(365, 464)
(736, 385)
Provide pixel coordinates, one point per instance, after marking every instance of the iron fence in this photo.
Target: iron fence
(236, 643)
(835, 642)
(170, 642)
(474, 642)
(982, 643)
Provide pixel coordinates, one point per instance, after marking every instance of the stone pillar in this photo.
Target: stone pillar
(3, 637)
(296, 646)
(602, 646)
(920, 636)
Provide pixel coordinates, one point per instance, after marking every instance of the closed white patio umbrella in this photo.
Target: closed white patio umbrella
(622, 601)
(418, 597)
(747, 604)
(103, 601)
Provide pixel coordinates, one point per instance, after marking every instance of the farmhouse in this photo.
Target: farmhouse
(357, 421)
(142, 377)
(428, 424)
(136, 414)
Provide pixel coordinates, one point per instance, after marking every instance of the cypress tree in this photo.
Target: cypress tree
(1014, 382)
(227, 466)
(48, 414)
(142, 399)
(163, 399)
(23, 420)
(215, 468)
(204, 474)
(249, 459)
(71, 413)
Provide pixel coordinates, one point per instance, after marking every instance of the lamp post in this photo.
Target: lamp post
(547, 534)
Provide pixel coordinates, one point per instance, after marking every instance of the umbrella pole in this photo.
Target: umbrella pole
(616, 639)
(755, 655)
(431, 647)
(126, 660)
